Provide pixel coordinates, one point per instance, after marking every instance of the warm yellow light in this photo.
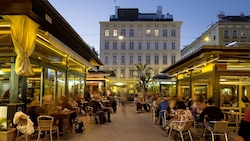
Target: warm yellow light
(207, 39)
(120, 37)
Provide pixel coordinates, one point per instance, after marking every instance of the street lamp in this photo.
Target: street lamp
(120, 37)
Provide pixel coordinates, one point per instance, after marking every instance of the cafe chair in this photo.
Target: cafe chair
(91, 115)
(218, 128)
(185, 129)
(45, 124)
(24, 124)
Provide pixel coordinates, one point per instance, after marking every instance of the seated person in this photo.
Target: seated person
(98, 108)
(212, 112)
(63, 102)
(163, 105)
(34, 110)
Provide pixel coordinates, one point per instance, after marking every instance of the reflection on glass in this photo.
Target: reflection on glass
(60, 84)
(49, 77)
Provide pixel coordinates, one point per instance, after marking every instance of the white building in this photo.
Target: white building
(147, 38)
(227, 30)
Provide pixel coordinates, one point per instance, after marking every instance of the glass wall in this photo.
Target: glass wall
(234, 91)
(76, 85)
(60, 85)
(5, 80)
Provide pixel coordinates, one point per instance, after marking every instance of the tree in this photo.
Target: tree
(144, 75)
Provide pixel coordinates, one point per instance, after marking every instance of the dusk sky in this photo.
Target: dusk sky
(197, 15)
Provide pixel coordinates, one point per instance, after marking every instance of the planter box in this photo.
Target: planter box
(8, 135)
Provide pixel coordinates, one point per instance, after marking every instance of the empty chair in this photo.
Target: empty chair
(45, 124)
(219, 128)
(91, 115)
(185, 128)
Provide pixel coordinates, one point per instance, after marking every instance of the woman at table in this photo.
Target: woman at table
(34, 110)
(63, 102)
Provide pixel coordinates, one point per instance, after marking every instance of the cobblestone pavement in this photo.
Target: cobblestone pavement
(126, 125)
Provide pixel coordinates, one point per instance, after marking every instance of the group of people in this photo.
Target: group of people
(49, 107)
(102, 105)
(183, 109)
(198, 109)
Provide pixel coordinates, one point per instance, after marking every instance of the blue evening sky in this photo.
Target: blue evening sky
(84, 15)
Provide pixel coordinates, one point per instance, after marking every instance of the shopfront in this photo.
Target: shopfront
(220, 72)
(40, 54)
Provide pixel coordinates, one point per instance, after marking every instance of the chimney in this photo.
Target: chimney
(159, 11)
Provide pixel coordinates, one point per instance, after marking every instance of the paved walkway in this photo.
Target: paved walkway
(126, 125)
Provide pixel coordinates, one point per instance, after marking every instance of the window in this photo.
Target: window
(114, 45)
(242, 33)
(165, 47)
(131, 33)
(235, 34)
(106, 33)
(139, 60)
(106, 61)
(156, 46)
(226, 34)
(106, 45)
(139, 46)
(173, 46)
(115, 33)
(173, 33)
(122, 59)
(156, 59)
(123, 45)
(156, 33)
(131, 59)
(114, 59)
(156, 71)
(148, 46)
(165, 32)
(131, 45)
(122, 72)
(139, 34)
(165, 59)
(173, 59)
(131, 73)
(148, 32)
(123, 32)
(147, 59)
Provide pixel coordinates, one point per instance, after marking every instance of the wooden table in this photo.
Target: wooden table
(62, 114)
(63, 117)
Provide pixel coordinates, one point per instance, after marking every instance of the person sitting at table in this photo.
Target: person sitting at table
(49, 104)
(98, 109)
(63, 102)
(212, 112)
(34, 110)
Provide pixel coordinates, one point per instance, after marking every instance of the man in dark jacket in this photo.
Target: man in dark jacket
(98, 109)
(212, 112)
